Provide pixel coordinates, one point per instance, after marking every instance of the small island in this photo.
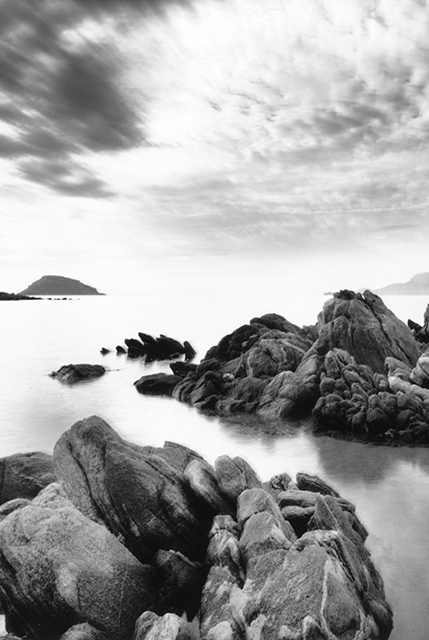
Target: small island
(59, 286)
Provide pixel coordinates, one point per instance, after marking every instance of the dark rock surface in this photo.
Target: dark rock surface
(157, 384)
(72, 373)
(154, 543)
(59, 286)
(23, 475)
(162, 348)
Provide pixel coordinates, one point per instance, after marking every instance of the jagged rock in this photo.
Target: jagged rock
(363, 326)
(262, 583)
(161, 348)
(157, 384)
(58, 568)
(23, 475)
(167, 627)
(72, 373)
(120, 350)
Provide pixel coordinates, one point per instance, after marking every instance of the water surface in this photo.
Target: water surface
(390, 486)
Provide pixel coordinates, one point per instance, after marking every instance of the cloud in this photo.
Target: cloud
(64, 177)
(60, 90)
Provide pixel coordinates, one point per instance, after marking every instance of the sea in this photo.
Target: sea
(389, 486)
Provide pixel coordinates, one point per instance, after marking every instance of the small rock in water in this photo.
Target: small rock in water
(72, 373)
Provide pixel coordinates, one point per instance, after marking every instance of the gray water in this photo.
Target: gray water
(390, 486)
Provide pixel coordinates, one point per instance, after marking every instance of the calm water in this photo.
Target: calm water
(389, 486)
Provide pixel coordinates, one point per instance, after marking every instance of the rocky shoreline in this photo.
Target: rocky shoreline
(359, 373)
(134, 543)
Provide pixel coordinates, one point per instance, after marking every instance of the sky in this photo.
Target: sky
(214, 143)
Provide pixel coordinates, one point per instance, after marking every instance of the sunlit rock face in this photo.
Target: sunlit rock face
(150, 542)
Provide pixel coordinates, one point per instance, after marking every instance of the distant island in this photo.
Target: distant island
(417, 286)
(59, 286)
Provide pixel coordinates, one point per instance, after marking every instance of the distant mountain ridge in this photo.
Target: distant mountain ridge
(59, 286)
(417, 286)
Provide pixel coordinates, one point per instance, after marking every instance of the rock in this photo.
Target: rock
(363, 326)
(104, 351)
(235, 475)
(262, 583)
(83, 631)
(120, 350)
(135, 348)
(58, 568)
(420, 374)
(145, 538)
(181, 582)
(167, 627)
(307, 482)
(72, 373)
(15, 296)
(161, 348)
(189, 350)
(23, 475)
(157, 384)
(141, 493)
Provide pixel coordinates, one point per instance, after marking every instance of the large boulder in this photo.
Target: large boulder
(23, 475)
(362, 325)
(58, 568)
(141, 493)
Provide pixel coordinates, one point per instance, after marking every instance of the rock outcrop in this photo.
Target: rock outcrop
(391, 407)
(272, 368)
(72, 373)
(162, 348)
(153, 542)
(23, 475)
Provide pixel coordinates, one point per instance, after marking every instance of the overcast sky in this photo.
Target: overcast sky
(214, 139)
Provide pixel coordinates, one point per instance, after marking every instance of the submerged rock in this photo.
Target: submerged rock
(142, 540)
(72, 373)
